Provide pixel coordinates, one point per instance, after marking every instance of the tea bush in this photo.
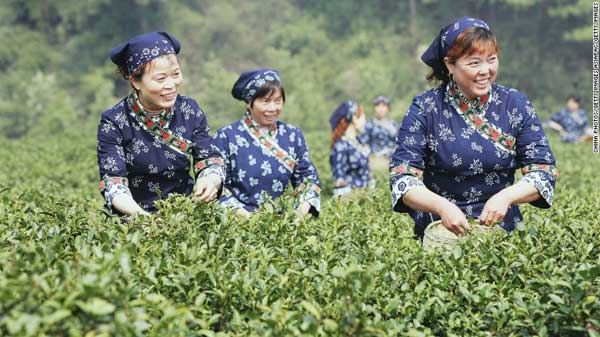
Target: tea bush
(68, 269)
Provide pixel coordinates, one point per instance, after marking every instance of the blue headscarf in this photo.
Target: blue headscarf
(142, 49)
(381, 99)
(439, 48)
(345, 110)
(250, 81)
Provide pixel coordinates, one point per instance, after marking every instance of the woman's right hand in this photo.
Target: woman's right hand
(242, 213)
(454, 219)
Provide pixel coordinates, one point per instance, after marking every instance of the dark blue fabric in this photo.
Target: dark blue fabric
(439, 47)
(252, 172)
(574, 124)
(153, 169)
(345, 110)
(250, 81)
(380, 135)
(142, 49)
(461, 165)
(349, 165)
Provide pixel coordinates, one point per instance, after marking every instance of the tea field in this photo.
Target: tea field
(67, 269)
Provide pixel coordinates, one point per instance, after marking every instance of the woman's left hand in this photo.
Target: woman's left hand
(495, 209)
(303, 208)
(207, 188)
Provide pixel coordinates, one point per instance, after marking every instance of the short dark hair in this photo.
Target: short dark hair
(267, 90)
(575, 98)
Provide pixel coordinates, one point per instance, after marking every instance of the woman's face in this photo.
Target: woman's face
(159, 86)
(381, 110)
(572, 105)
(359, 122)
(474, 73)
(266, 110)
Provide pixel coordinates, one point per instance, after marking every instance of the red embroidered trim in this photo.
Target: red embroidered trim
(158, 129)
(405, 169)
(201, 165)
(113, 180)
(471, 114)
(267, 142)
(540, 167)
(302, 187)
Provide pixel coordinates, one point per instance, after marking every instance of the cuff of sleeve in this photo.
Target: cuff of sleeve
(341, 188)
(551, 170)
(400, 185)
(543, 182)
(403, 169)
(311, 193)
(110, 187)
(215, 163)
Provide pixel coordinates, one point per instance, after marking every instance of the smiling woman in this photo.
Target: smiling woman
(460, 143)
(263, 154)
(147, 140)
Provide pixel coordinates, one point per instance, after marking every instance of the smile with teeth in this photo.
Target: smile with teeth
(169, 97)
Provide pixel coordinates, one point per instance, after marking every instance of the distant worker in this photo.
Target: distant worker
(571, 122)
(380, 134)
(349, 159)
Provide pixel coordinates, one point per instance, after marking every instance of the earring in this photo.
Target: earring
(451, 77)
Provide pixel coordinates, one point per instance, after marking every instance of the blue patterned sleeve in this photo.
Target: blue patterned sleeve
(220, 146)
(365, 137)
(305, 178)
(206, 159)
(408, 160)
(340, 167)
(111, 161)
(533, 153)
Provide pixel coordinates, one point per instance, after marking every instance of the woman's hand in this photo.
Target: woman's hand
(242, 213)
(453, 218)
(495, 209)
(207, 188)
(303, 208)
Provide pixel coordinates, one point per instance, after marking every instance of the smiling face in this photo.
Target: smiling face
(473, 61)
(159, 86)
(265, 110)
(475, 73)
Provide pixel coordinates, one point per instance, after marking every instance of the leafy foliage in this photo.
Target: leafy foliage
(326, 51)
(70, 270)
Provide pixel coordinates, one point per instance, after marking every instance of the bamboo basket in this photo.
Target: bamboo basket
(436, 235)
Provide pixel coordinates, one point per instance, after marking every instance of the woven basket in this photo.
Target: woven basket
(437, 235)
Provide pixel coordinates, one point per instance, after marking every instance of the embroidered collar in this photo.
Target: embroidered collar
(268, 142)
(270, 130)
(479, 106)
(159, 128)
(163, 118)
(473, 114)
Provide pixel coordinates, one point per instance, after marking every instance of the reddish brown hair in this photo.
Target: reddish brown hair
(342, 126)
(472, 40)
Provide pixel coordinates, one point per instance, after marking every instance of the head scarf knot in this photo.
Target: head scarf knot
(443, 42)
